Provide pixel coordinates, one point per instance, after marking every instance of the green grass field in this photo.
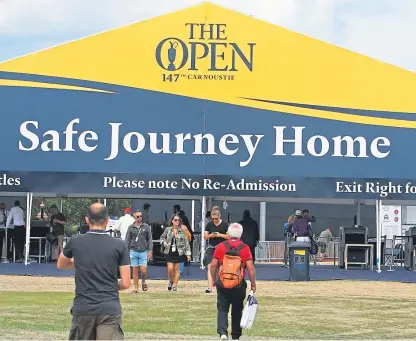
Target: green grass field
(316, 310)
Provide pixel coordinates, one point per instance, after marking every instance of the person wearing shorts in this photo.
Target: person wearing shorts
(140, 243)
(215, 233)
(138, 259)
(324, 238)
(97, 259)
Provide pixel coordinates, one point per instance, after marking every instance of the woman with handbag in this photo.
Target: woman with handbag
(176, 248)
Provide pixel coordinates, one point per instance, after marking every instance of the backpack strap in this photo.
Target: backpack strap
(240, 247)
(228, 246)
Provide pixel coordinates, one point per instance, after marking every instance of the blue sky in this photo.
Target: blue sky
(382, 29)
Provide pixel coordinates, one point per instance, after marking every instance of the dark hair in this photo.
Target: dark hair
(97, 214)
(146, 206)
(17, 203)
(305, 210)
(53, 206)
(246, 214)
(208, 214)
(173, 216)
(177, 207)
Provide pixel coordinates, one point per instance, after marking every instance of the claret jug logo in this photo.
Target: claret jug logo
(205, 54)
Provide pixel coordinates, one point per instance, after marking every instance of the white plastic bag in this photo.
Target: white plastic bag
(249, 312)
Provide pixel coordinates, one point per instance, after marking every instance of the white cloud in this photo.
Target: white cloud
(38, 17)
(51, 17)
(389, 36)
(385, 32)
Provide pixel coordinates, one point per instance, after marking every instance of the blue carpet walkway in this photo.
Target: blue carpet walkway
(265, 272)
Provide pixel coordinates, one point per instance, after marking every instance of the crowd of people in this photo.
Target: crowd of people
(98, 258)
(13, 228)
(299, 228)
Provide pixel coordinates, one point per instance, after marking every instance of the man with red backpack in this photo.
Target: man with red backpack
(230, 261)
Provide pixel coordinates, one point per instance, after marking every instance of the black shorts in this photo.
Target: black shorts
(209, 252)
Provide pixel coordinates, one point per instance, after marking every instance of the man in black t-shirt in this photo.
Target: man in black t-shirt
(96, 257)
(57, 223)
(215, 233)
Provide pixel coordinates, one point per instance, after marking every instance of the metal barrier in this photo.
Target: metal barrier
(267, 251)
(43, 248)
(196, 250)
(394, 252)
(332, 250)
(272, 251)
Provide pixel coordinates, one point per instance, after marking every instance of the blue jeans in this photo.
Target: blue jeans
(181, 267)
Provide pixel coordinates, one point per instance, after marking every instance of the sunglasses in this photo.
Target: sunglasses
(176, 219)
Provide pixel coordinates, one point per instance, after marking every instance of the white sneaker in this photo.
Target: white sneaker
(224, 337)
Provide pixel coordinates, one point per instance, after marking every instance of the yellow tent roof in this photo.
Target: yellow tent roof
(213, 53)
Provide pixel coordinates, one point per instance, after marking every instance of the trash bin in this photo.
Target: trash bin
(299, 261)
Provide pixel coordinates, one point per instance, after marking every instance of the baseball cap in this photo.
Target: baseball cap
(127, 210)
(298, 212)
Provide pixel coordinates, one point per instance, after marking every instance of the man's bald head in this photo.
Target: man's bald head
(97, 216)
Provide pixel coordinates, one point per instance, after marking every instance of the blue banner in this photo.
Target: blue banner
(210, 185)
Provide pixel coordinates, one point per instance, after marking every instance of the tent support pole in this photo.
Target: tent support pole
(105, 202)
(193, 216)
(358, 212)
(262, 221)
(378, 222)
(29, 200)
(204, 212)
(60, 204)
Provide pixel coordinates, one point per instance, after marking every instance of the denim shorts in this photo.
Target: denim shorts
(138, 258)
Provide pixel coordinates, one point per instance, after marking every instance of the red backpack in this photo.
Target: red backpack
(231, 272)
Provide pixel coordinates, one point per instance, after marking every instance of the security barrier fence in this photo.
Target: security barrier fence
(266, 251)
(273, 251)
(269, 251)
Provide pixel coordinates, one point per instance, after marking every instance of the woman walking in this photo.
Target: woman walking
(176, 249)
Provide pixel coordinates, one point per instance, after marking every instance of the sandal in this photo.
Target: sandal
(144, 287)
(175, 289)
(134, 292)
